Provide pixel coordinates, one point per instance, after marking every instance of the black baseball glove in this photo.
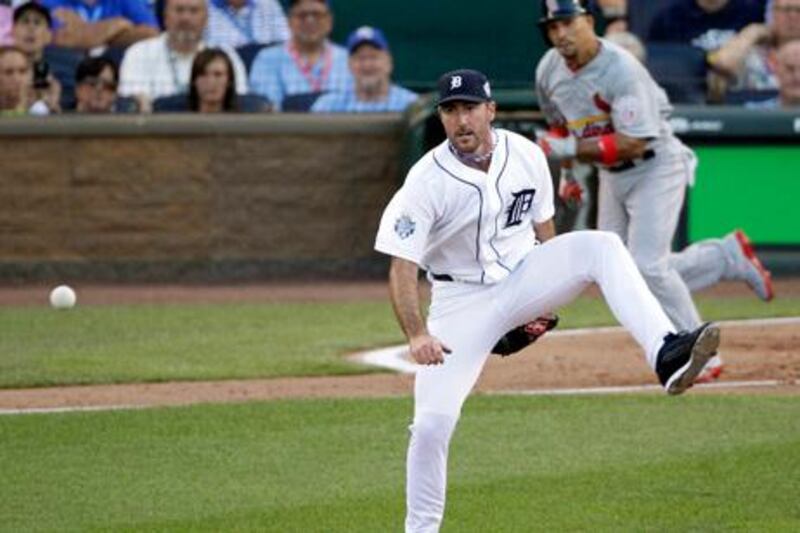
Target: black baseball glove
(524, 335)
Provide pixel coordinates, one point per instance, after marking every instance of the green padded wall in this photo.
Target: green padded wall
(754, 187)
(429, 37)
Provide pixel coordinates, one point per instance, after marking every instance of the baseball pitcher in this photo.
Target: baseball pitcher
(476, 212)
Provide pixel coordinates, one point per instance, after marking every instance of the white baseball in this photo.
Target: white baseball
(63, 297)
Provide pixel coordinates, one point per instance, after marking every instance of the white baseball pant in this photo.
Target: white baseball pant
(471, 318)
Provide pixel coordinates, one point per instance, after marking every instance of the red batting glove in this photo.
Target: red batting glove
(569, 190)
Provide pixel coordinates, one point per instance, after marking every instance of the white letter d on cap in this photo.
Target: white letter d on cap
(455, 82)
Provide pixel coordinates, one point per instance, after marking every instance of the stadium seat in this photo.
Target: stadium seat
(248, 52)
(641, 14)
(176, 103)
(680, 69)
(254, 103)
(301, 102)
(63, 62)
(745, 96)
(179, 103)
(115, 54)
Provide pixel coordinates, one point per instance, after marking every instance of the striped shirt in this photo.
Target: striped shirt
(259, 21)
(278, 71)
(397, 100)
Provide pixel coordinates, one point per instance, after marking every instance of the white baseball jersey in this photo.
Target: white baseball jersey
(614, 92)
(475, 227)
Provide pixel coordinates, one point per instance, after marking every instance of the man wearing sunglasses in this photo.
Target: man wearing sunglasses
(96, 80)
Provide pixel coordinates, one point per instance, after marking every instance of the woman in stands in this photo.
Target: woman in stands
(212, 89)
(213, 84)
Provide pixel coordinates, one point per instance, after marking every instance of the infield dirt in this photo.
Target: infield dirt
(751, 352)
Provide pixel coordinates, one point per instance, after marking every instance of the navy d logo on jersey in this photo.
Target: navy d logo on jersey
(523, 200)
(404, 227)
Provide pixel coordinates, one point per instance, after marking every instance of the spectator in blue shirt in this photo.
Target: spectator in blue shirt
(237, 23)
(308, 64)
(88, 24)
(372, 91)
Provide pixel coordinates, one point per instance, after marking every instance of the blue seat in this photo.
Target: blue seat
(248, 52)
(179, 103)
(749, 96)
(63, 62)
(641, 14)
(680, 69)
(300, 102)
(175, 103)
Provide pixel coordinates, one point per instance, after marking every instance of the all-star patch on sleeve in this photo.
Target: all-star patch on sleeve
(635, 106)
(406, 222)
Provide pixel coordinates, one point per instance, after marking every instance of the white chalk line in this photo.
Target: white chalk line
(394, 358)
(71, 409)
(638, 388)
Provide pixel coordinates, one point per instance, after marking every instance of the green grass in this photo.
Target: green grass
(591, 312)
(39, 346)
(112, 344)
(624, 463)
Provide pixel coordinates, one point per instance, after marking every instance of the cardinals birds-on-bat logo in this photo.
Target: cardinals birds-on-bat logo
(601, 104)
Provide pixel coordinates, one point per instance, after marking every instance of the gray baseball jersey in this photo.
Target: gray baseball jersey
(612, 93)
(640, 200)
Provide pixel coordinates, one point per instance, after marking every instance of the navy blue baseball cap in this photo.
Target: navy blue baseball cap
(367, 35)
(35, 7)
(464, 85)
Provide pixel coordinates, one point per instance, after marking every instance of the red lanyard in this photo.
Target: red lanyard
(306, 68)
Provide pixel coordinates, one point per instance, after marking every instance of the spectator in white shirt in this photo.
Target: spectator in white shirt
(786, 63)
(237, 23)
(162, 65)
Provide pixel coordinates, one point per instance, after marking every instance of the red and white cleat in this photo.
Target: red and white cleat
(711, 372)
(750, 268)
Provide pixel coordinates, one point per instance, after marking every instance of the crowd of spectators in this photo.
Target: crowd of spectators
(161, 66)
(196, 56)
(114, 56)
(727, 49)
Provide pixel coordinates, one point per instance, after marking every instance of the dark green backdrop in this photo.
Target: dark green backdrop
(429, 37)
